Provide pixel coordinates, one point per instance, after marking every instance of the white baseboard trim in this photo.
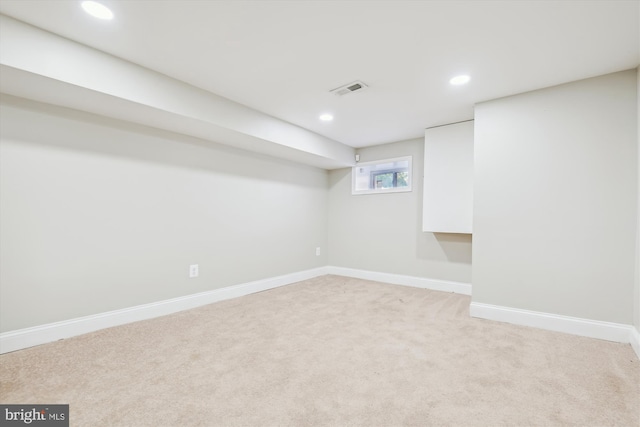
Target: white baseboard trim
(397, 279)
(616, 332)
(634, 339)
(29, 337)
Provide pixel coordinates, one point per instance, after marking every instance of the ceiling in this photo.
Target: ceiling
(283, 57)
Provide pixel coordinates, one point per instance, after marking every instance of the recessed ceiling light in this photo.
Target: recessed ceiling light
(460, 80)
(97, 10)
(326, 117)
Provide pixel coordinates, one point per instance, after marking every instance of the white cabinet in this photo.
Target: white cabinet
(448, 179)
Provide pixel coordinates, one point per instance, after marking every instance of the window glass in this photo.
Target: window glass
(382, 176)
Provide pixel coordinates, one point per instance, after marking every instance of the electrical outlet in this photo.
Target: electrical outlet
(317, 251)
(193, 271)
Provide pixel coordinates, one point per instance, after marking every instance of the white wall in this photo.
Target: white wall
(99, 215)
(636, 299)
(383, 232)
(555, 199)
(448, 179)
(38, 65)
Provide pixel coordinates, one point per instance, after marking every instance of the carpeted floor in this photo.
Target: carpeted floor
(331, 351)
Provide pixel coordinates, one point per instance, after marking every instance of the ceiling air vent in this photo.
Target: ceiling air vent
(356, 86)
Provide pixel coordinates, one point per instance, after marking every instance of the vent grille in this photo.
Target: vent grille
(356, 86)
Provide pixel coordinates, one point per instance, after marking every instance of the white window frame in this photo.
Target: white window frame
(355, 171)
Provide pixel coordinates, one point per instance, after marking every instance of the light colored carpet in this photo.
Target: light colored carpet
(331, 351)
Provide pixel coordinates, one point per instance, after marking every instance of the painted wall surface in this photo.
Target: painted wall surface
(448, 179)
(41, 66)
(99, 215)
(636, 299)
(555, 198)
(383, 232)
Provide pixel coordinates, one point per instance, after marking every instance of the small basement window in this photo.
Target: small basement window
(382, 176)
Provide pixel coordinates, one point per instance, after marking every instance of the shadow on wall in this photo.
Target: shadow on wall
(450, 247)
(150, 145)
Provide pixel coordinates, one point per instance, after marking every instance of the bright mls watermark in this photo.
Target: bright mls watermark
(35, 415)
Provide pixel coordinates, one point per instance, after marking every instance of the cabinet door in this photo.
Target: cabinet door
(448, 179)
